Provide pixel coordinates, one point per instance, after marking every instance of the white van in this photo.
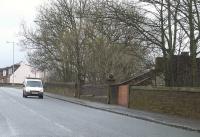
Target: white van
(33, 87)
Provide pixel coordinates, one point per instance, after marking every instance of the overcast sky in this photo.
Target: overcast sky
(12, 13)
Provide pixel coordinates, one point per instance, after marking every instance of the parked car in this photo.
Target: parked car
(33, 87)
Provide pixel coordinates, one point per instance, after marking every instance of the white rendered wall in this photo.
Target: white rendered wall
(25, 71)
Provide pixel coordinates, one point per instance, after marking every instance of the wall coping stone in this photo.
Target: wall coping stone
(168, 89)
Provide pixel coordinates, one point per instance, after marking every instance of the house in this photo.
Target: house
(21, 71)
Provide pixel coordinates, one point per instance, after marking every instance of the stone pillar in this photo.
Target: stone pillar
(110, 82)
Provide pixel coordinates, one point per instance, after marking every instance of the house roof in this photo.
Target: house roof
(16, 66)
(143, 76)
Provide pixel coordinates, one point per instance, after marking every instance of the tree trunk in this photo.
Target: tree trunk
(193, 46)
(169, 72)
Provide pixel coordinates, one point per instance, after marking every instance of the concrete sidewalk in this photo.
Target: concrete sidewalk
(187, 124)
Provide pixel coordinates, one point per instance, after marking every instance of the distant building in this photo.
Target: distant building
(182, 69)
(21, 71)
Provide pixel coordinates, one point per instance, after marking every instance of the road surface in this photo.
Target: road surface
(48, 117)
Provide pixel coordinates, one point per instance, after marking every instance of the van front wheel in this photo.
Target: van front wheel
(24, 96)
(41, 96)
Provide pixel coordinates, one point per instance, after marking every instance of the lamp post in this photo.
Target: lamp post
(13, 43)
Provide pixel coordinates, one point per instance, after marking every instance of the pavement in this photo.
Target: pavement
(56, 117)
(173, 121)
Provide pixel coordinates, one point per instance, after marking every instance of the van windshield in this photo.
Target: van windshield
(34, 84)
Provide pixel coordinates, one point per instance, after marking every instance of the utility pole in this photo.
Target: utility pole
(13, 67)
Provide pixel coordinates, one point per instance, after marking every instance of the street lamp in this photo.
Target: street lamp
(11, 42)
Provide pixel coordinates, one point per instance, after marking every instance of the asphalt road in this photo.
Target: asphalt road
(33, 117)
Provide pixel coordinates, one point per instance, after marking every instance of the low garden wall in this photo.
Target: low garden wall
(97, 93)
(11, 85)
(66, 89)
(183, 102)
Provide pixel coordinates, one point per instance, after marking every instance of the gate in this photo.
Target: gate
(123, 95)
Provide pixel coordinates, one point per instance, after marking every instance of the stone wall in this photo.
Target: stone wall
(11, 85)
(98, 93)
(183, 102)
(66, 89)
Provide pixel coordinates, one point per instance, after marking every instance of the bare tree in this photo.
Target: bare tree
(156, 28)
(190, 23)
(72, 41)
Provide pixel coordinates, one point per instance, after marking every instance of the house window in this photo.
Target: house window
(10, 71)
(4, 72)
